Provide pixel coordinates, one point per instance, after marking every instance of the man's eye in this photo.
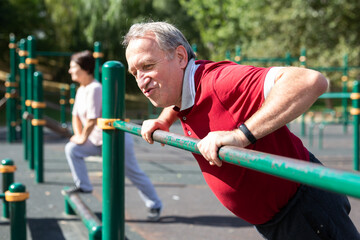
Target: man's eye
(148, 66)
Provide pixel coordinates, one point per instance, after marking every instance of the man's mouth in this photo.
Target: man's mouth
(147, 92)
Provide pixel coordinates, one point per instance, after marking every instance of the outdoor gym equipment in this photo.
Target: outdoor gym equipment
(344, 182)
(14, 196)
(28, 59)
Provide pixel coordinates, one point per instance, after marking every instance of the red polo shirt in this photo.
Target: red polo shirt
(227, 94)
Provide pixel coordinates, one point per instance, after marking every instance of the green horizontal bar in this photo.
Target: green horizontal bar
(335, 95)
(268, 59)
(90, 220)
(354, 67)
(54, 54)
(327, 69)
(344, 182)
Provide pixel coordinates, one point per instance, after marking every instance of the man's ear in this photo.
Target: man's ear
(181, 56)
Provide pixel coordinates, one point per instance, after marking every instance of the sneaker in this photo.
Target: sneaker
(69, 191)
(154, 214)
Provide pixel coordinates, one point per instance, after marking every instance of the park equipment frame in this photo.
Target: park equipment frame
(344, 182)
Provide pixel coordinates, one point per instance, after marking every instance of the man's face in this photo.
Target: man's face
(158, 76)
(76, 72)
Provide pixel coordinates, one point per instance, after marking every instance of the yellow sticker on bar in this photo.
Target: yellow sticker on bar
(355, 96)
(12, 45)
(302, 58)
(11, 84)
(16, 197)
(22, 66)
(344, 78)
(62, 101)
(237, 59)
(98, 54)
(107, 123)
(7, 168)
(23, 53)
(28, 103)
(355, 111)
(38, 104)
(71, 101)
(29, 61)
(38, 122)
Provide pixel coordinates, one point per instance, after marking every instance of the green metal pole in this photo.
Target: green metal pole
(7, 169)
(72, 95)
(72, 99)
(344, 182)
(288, 59)
(38, 122)
(98, 55)
(11, 89)
(113, 104)
(355, 111)
(75, 205)
(17, 196)
(302, 58)
(31, 61)
(63, 107)
(194, 48)
(228, 55)
(10, 117)
(238, 54)
(344, 101)
(22, 66)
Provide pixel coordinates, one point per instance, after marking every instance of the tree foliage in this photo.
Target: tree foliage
(328, 29)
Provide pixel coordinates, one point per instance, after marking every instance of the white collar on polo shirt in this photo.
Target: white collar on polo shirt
(188, 88)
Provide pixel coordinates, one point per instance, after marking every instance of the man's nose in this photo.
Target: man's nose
(142, 79)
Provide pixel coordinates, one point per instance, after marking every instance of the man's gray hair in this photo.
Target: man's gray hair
(167, 36)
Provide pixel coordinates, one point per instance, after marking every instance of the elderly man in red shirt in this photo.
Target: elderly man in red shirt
(224, 103)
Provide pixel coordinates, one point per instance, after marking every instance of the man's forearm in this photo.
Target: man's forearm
(168, 115)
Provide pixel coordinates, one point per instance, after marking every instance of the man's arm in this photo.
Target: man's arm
(83, 136)
(166, 118)
(76, 125)
(294, 91)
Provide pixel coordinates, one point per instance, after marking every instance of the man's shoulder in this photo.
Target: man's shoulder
(94, 85)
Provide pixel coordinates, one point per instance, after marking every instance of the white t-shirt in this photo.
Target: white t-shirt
(88, 105)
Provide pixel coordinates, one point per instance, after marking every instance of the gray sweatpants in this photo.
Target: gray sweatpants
(75, 155)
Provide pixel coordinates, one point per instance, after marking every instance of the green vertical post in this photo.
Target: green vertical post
(113, 105)
(228, 55)
(72, 95)
(98, 55)
(16, 196)
(238, 54)
(7, 169)
(10, 109)
(31, 62)
(11, 86)
(302, 57)
(355, 111)
(38, 123)
(22, 66)
(62, 107)
(194, 48)
(72, 99)
(288, 59)
(344, 101)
